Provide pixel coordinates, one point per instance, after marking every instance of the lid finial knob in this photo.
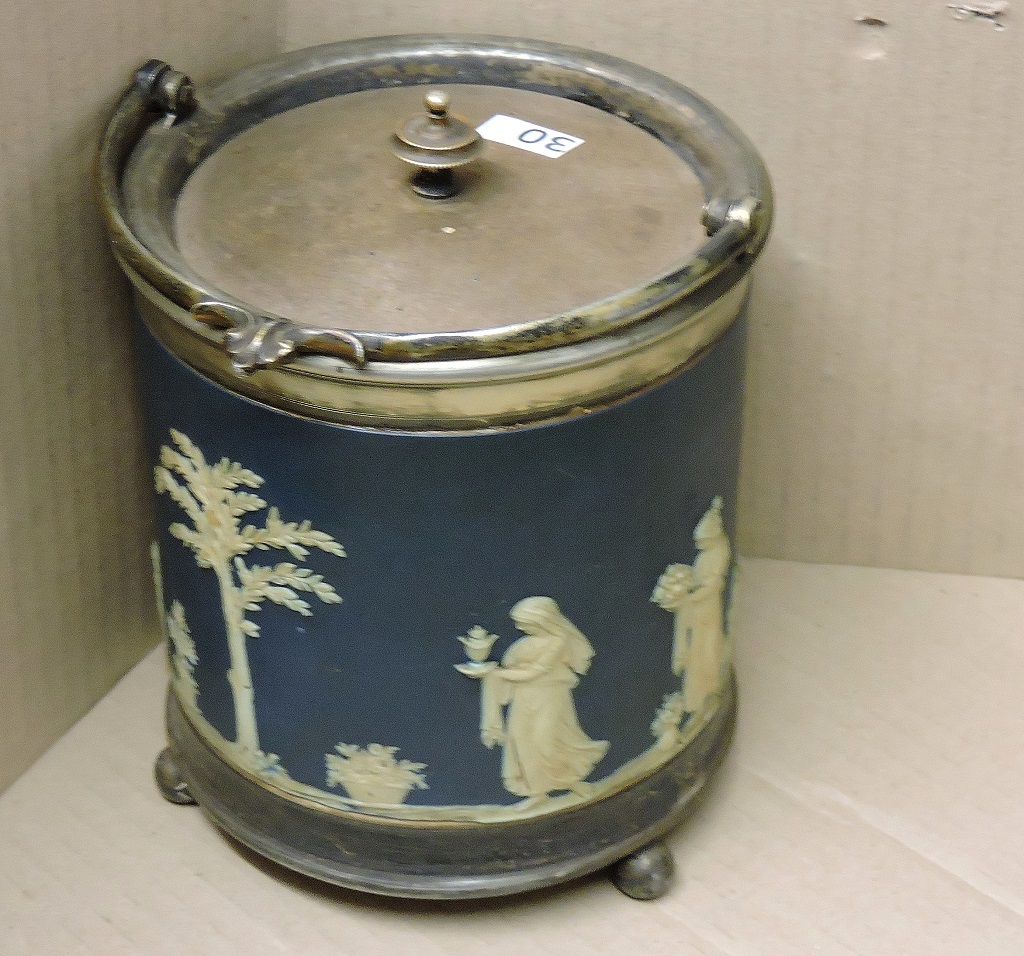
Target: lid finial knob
(437, 102)
(436, 143)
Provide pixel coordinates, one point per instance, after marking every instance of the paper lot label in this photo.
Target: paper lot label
(529, 136)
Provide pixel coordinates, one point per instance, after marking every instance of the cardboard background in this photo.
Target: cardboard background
(75, 585)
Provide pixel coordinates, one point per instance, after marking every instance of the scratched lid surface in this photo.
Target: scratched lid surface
(310, 214)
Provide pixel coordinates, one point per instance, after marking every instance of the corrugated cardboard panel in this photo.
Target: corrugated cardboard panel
(75, 589)
(884, 424)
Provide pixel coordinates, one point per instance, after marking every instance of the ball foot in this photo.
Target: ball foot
(646, 874)
(169, 780)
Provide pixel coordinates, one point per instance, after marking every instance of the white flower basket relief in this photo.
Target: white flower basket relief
(374, 775)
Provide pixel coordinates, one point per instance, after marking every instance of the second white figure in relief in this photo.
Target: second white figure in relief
(696, 595)
(527, 706)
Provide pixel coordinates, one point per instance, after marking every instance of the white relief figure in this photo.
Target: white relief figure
(183, 656)
(696, 594)
(527, 705)
(374, 775)
(209, 495)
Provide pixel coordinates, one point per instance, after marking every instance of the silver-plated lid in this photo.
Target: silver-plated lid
(309, 215)
(245, 238)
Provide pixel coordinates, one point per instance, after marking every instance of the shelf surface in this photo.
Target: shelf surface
(871, 805)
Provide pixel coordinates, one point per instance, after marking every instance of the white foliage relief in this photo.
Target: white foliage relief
(183, 656)
(670, 715)
(214, 499)
(374, 775)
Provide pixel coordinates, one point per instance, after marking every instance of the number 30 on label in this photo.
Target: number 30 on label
(537, 139)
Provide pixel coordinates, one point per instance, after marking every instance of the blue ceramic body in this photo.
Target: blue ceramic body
(443, 532)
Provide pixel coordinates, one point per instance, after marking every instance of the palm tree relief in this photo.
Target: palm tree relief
(527, 706)
(210, 496)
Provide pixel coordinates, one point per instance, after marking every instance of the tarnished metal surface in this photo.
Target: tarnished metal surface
(467, 394)
(646, 874)
(253, 342)
(436, 142)
(699, 134)
(452, 861)
(169, 780)
(309, 215)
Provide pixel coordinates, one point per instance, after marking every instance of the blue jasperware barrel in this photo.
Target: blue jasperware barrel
(441, 349)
